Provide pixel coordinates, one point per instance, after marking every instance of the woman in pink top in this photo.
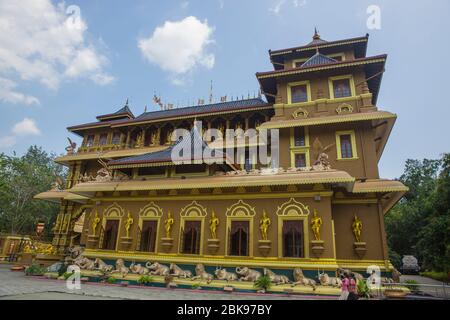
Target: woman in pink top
(344, 288)
(353, 293)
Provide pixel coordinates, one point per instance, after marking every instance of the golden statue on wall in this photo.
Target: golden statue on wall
(213, 223)
(264, 224)
(128, 223)
(169, 136)
(168, 224)
(154, 138)
(357, 228)
(316, 224)
(140, 140)
(95, 222)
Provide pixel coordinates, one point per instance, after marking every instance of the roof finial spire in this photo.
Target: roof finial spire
(316, 35)
(211, 99)
(126, 103)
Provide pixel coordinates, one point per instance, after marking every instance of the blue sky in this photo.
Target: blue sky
(51, 78)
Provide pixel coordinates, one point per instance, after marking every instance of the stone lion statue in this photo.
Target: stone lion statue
(223, 274)
(138, 269)
(300, 279)
(121, 268)
(176, 271)
(247, 274)
(276, 278)
(200, 273)
(102, 266)
(157, 269)
(326, 280)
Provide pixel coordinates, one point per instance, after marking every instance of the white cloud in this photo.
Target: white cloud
(179, 46)
(276, 9)
(40, 42)
(8, 141)
(8, 94)
(26, 127)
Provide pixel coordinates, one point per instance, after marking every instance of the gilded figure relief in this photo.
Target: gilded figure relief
(357, 228)
(316, 224)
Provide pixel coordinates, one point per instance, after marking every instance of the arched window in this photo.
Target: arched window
(111, 231)
(191, 237)
(293, 239)
(148, 235)
(239, 236)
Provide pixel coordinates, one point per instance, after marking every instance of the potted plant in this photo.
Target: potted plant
(363, 289)
(263, 284)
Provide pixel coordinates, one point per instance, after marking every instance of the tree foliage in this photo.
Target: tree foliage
(419, 224)
(21, 178)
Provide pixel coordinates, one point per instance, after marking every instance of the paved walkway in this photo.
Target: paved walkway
(15, 285)
(429, 286)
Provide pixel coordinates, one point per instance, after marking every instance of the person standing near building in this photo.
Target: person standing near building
(344, 288)
(352, 291)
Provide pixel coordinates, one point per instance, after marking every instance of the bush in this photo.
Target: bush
(145, 279)
(439, 276)
(35, 270)
(263, 283)
(111, 280)
(363, 289)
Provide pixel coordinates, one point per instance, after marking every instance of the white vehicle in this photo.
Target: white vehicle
(410, 265)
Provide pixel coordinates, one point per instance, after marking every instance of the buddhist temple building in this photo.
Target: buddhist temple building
(319, 204)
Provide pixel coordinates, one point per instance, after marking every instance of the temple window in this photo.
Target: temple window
(148, 236)
(110, 234)
(341, 87)
(346, 145)
(300, 160)
(299, 137)
(293, 239)
(239, 238)
(191, 237)
(116, 138)
(299, 92)
(299, 147)
(103, 139)
(90, 141)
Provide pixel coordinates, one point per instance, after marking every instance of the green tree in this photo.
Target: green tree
(433, 245)
(420, 223)
(21, 178)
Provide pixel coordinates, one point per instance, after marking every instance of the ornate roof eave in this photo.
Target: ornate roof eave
(134, 122)
(66, 160)
(379, 186)
(383, 132)
(115, 116)
(362, 116)
(313, 46)
(328, 66)
(57, 196)
(390, 200)
(146, 164)
(372, 66)
(303, 178)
